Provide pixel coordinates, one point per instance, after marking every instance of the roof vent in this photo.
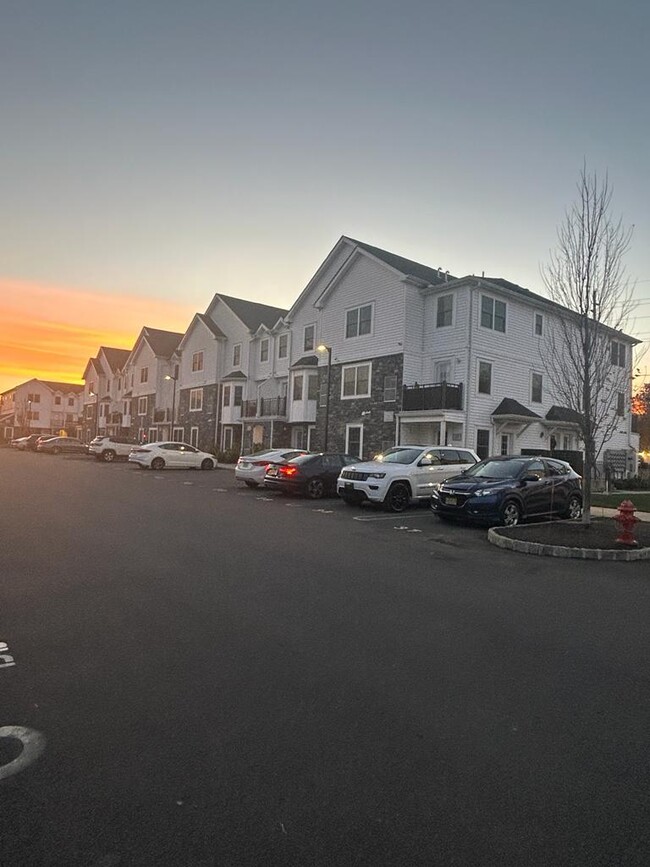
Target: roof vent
(446, 276)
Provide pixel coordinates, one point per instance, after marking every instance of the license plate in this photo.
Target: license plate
(451, 501)
(272, 471)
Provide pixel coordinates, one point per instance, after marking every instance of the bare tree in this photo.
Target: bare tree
(588, 366)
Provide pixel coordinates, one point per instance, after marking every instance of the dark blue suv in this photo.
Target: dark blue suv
(503, 490)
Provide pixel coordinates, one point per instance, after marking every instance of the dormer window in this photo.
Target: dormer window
(264, 349)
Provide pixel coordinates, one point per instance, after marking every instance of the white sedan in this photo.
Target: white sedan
(168, 455)
(251, 469)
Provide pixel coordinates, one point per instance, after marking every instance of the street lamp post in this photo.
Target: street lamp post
(96, 396)
(324, 348)
(173, 379)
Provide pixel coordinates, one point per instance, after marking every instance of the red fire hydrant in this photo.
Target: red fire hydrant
(626, 519)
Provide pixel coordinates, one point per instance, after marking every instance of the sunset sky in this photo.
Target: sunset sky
(154, 153)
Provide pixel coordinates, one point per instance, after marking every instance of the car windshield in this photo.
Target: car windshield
(497, 469)
(399, 456)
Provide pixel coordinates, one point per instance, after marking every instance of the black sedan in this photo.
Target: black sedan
(59, 445)
(504, 490)
(312, 476)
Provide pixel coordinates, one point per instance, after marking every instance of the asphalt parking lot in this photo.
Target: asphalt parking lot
(197, 673)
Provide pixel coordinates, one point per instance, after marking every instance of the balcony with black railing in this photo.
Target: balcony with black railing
(265, 407)
(437, 395)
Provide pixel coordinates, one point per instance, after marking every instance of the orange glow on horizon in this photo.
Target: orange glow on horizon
(50, 332)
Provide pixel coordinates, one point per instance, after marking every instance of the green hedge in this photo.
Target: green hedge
(636, 483)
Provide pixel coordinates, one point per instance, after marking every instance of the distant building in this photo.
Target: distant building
(40, 406)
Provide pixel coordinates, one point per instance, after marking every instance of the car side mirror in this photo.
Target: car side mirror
(425, 462)
(531, 477)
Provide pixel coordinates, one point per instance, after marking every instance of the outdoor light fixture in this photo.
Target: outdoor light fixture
(328, 349)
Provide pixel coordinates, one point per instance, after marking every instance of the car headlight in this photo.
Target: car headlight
(486, 492)
(376, 475)
(435, 487)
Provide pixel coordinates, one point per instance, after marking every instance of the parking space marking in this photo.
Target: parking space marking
(390, 517)
(33, 745)
(324, 511)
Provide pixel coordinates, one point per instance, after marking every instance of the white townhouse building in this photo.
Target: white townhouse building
(102, 393)
(417, 356)
(40, 406)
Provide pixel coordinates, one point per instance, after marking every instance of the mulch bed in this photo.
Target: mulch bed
(602, 533)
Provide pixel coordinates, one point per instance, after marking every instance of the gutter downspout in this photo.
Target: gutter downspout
(469, 365)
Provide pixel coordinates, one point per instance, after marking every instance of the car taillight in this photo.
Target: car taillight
(288, 471)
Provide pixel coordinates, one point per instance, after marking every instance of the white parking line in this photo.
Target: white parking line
(391, 517)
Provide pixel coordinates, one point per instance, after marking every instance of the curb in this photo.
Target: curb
(544, 550)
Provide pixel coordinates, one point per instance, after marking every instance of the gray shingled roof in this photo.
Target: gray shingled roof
(510, 406)
(115, 357)
(563, 413)
(253, 314)
(406, 266)
(210, 324)
(163, 343)
(65, 387)
(306, 361)
(236, 374)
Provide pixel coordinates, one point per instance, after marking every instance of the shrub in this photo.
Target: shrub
(635, 483)
(228, 457)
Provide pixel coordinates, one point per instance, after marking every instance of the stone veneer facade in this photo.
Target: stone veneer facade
(204, 419)
(378, 434)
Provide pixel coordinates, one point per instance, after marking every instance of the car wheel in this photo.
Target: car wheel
(510, 514)
(315, 489)
(398, 498)
(574, 508)
(206, 464)
(108, 456)
(250, 484)
(157, 464)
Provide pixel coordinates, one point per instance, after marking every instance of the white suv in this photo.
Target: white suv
(108, 448)
(402, 475)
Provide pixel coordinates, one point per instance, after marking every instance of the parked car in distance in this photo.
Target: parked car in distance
(505, 490)
(20, 443)
(402, 475)
(171, 455)
(108, 448)
(311, 475)
(61, 445)
(251, 469)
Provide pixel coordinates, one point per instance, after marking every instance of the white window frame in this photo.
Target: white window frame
(451, 312)
(178, 435)
(311, 388)
(505, 439)
(143, 402)
(356, 396)
(617, 349)
(236, 355)
(348, 427)
(298, 387)
(538, 317)
(197, 361)
(264, 350)
(390, 391)
(305, 343)
(144, 374)
(196, 400)
(358, 308)
(491, 327)
(194, 437)
(479, 362)
(228, 438)
(152, 434)
(533, 374)
(283, 344)
(57, 400)
(225, 395)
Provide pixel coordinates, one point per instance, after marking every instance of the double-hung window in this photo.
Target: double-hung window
(312, 386)
(356, 381)
(264, 349)
(197, 361)
(142, 406)
(444, 311)
(226, 395)
(283, 345)
(493, 314)
(538, 327)
(297, 386)
(144, 374)
(618, 353)
(536, 388)
(309, 338)
(358, 321)
(236, 355)
(196, 399)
